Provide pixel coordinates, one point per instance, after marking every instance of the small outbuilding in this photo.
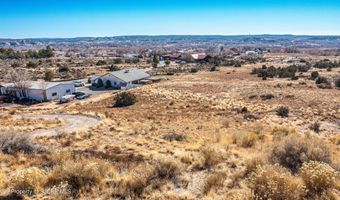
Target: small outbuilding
(38, 91)
(123, 78)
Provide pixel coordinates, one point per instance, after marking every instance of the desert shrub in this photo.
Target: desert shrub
(31, 179)
(124, 99)
(322, 79)
(31, 64)
(237, 64)
(267, 96)
(324, 64)
(133, 184)
(212, 181)
(318, 177)
(337, 82)
(174, 137)
(166, 167)
(113, 68)
(315, 127)
(296, 150)
(117, 61)
(212, 69)
(280, 132)
(101, 62)
(193, 70)
(323, 83)
(244, 138)
(212, 155)
(282, 111)
(11, 143)
(314, 75)
(49, 75)
(275, 183)
(63, 68)
(81, 173)
(253, 163)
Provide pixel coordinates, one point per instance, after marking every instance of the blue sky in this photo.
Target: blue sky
(80, 18)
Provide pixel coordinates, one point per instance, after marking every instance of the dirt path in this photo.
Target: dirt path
(72, 123)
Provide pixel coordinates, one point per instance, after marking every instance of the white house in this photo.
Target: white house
(123, 78)
(39, 91)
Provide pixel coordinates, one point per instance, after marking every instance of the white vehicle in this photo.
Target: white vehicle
(79, 83)
(67, 98)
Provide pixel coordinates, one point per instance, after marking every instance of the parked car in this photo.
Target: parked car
(8, 99)
(67, 98)
(79, 83)
(81, 95)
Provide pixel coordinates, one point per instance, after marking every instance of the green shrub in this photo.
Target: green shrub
(282, 111)
(124, 99)
(314, 75)
(322, 79)
(315, 127)
(337, 82)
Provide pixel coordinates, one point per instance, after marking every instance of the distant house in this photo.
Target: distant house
(200, 57)
(123, 78)
(38, 91)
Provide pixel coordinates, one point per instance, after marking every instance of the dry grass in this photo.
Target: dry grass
(318, 177)
(12, 142)
(279, 132)
(13, 123)
(275, 182)
(82, 173)
(214, 180)
(212, 155)
(32, 179)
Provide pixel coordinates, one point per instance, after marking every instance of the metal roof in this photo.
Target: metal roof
(37, 85)
(130, 75)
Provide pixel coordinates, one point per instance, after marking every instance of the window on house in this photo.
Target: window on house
(54, 94)
(68, 91)
(115, 83)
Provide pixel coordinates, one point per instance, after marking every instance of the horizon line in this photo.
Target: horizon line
(158, 35)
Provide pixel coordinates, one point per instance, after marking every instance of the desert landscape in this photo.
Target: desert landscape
(221, 133)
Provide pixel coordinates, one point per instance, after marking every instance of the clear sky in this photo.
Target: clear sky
(80, 18)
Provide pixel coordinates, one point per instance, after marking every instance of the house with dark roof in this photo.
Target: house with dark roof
(126, 78)
(38, 90)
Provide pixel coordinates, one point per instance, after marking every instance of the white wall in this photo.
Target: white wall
(61, 90)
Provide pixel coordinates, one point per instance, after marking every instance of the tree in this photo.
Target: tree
(108, 84)
(100, 83)
(21, 80)
(117, 61)
(167, 62)
(49, 75)
(155, 60)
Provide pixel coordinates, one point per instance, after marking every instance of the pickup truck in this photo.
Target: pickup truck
(67, 98)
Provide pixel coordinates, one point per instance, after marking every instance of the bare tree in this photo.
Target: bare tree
(21, 80)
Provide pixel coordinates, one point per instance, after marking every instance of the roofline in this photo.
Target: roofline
(112, 75)
(45, 88)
